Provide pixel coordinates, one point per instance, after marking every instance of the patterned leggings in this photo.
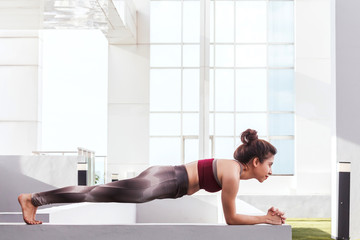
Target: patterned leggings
(156, 182)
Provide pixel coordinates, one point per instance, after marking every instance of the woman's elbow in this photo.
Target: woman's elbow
(230, 221)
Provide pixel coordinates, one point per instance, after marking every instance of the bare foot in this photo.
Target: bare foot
(28, 209)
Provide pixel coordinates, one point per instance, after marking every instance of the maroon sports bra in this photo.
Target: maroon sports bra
(206, 176)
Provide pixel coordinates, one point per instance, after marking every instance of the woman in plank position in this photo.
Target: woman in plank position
(253, 159)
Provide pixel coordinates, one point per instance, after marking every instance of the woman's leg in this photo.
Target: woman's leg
(154, 183)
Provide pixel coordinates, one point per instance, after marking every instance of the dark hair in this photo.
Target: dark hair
(253, 147)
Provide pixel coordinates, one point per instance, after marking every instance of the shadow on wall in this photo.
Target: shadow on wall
(27, 174)
(12, 183)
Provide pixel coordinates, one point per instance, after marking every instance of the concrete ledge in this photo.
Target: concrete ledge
(145, 231)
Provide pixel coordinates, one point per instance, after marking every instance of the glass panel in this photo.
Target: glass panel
(281, 124)
(211, 95)
(224, 124)
(284, 158)
(250, 83)
(165, 90)
(251, 21)
(191, 57)
(190, 124)
(211, 123)
(191, 21)
(212, 55)
(211, 148)
(224, 147)
(251, 56)
(281, 56)
(224, 90)
(165, 56)
(168, 30)
(191, 152)
(212, 21)
(165, 151)
(164, 124)
(281, 21)
(281, 90)
(191, 88)
(224, 21)
(257, 121)
(99, 170)
(224, 56)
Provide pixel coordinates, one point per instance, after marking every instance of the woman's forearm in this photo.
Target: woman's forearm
(240, 219)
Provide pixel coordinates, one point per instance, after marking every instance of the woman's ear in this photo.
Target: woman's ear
(256, 161)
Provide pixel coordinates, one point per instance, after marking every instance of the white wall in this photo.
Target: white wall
(347, 75)
(20, 91)
(313, 97)
(128, 100)
(20, 76)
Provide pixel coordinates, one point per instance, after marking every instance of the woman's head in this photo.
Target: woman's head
(253, 147)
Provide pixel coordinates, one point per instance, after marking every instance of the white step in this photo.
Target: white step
(145, 231)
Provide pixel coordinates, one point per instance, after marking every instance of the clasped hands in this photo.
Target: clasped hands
(275, 216)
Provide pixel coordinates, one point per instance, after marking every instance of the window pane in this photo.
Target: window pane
(191, 24)
(250, 83)
(211, 95)
(212, 21)
(281, 56)
(211, 148)
(100, 170)
(281, 21)
(165, 151)
(191, 151)
(251, 56)
(224, 147)
(191, 88)
(165, 21)
(224, 21)
(224, 124)
(281, 90)
(251, 21)
(257, 121)
(281, 124)
(224, 56)
(164, 124)
(224, 90)
(165, 90)
(211, 123)
(284, 158)
(165, 56)
(212, 55)
(191, 57)
(191, 124)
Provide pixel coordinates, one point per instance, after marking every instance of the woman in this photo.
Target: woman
(253, 159)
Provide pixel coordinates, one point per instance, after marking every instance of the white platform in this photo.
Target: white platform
(144, 231)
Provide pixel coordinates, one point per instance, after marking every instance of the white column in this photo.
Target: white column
(313, 98)
(128, 105)
(20, 76)
(20, 91)
(347, 52)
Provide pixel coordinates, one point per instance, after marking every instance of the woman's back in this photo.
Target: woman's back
(220, 167)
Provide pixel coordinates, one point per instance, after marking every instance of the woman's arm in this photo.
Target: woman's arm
(228, 197)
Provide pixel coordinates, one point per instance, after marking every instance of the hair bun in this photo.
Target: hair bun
(248, 136)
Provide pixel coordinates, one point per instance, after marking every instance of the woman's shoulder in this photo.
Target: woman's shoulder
(228, 166)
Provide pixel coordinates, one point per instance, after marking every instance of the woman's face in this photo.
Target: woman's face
(263, 170)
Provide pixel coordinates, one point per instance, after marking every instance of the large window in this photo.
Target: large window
(218, 68)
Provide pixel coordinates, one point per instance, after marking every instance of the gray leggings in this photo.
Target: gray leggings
(156, 182)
